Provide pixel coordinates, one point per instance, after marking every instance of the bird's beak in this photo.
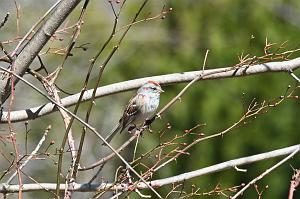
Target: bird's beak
(161, 90)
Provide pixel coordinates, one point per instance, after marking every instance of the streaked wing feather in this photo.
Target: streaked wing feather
(130, 111)
(131, 108)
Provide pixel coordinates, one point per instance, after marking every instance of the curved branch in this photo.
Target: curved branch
(4, 188)
(33, 47)
(228, 72)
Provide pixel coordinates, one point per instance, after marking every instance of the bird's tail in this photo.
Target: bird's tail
(113, 132)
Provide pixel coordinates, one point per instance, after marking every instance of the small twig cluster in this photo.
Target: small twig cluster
(272, 52)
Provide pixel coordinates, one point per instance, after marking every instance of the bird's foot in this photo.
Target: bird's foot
(149, 129)
(131, 128)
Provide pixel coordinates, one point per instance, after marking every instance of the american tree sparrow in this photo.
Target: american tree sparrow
(140, 108)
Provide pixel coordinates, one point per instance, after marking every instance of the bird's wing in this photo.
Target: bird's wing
(129, 114)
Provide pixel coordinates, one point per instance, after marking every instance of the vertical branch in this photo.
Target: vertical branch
(102, 67)
(18, 17)
(75, 35)
(185, 88)
(34, 152)
(11, 101)
(83, 132)
(13, 140)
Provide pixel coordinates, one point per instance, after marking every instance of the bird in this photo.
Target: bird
(140, 108)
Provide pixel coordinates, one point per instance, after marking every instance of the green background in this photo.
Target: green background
(175, 44)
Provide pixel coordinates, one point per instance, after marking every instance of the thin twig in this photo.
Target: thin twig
(4, 20)
(252, 111)
(110, 156)
(33, 27)
(229, 72)
(265, 173)
(38, 146)
(84, 123)
(17, 17)
(159, 182)
(294, 76)
(13, 139)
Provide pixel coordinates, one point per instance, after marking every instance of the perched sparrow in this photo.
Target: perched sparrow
(139, 108)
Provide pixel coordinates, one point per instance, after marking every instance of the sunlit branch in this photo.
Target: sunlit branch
(228, 72)
(4, 188)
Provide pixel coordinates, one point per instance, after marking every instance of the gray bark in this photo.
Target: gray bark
(31, 49)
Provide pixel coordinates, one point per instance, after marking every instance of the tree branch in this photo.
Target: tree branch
(228, 72)
(33, 47)
(4, 188)
(240, 192)
(83, 123)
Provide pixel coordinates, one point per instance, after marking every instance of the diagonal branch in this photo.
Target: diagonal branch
(38, 146)
(240, 192)
(34, 46)
(91, 128)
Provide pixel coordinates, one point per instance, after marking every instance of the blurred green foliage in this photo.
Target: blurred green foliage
(178, 44)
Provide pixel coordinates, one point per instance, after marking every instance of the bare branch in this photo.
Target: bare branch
(85, 124)
(295, 76)
(34, 46)
(4, 20)
(266, 173)
(229, 72)
(4, 188)
(38, 146)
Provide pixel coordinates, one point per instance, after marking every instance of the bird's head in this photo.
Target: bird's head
(151, 86)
